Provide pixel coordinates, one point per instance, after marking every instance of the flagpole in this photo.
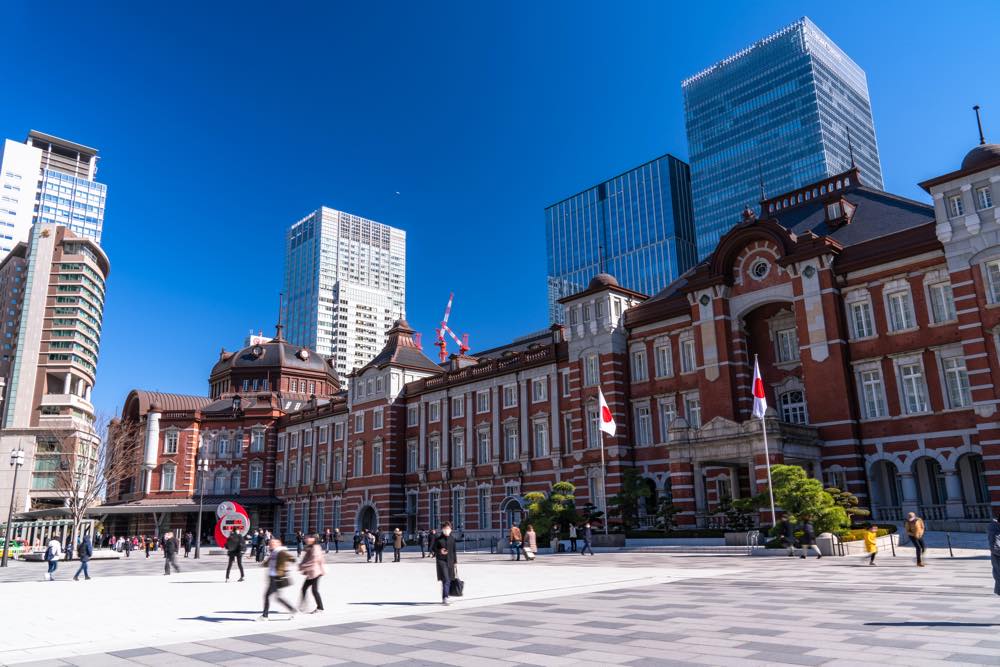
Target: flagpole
(604, 483)
(767, 455)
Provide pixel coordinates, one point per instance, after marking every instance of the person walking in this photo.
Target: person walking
(169, 552)
(234, 549)
(366, 538)
(379, 545)
(357, 543)
(336, 540)
(588, 539)
(993, 542)
(422, 539)
(515, 540)
(186, 543)
(871, 543)
(787, 532)
(147, 543)
(915, 531)
(397, 545)
(530, 543)
(53, 552)
(572, 537)
(446, 559)
(277, 576)
(84, 553)
(327, 538)
(127, 546)
(809, 538)
(312, 568)
(298, 542)
(69, 548)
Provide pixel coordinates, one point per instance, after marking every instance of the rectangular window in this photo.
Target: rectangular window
(411, 456)
(984, 198)
(591, 371)
(787, 342)
(435, 453)
(956, 380)
(482, 402)
(593, 428)
(167, 479)
(279, 475)
(692, 410)
(338, 466)
(321, 470)
(668, 413)
(324, 431)
(643, 426)
(639, 372)
(483, 446)
(862, 323)
(900, 311)
(993, 279)
(377, 460)
(568, 431)
(458, 407)
(662, 359)
(170, 443)
(873, 393)
(377, 418)
(434, 411)
(541, 439)
(510, 450)
(257, 441)
(412, 415)
(510, 396)
(338, 431)
(955, 206)
(539, 390)
(256, 475)
(359, 461)
(942, 302)
(458, 449)
(911, 380)
(483, 501)
(435, 509)
(359, 422)
(458, 509)
(564, 376)
(689, 362)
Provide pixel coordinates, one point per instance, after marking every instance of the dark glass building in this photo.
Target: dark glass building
(784, 112)
(637, 226)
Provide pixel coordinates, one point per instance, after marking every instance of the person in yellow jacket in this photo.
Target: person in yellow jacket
(871, 542)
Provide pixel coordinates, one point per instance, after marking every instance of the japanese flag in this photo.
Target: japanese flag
(607, 420)
(759, 400)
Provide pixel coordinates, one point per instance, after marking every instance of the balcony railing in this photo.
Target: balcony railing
(934, 512)
(888, 513)
(979, 511)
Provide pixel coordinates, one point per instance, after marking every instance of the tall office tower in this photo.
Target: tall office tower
(786, 111)
(636, 226)
(345, 284)
(49, 180)
(51, 337)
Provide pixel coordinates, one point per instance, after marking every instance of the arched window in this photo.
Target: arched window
(256, 475)
(793, 407)
(221, 483)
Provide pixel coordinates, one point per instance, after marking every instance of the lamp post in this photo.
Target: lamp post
(202, 469)
(16, 460)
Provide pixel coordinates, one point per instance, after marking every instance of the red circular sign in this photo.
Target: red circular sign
(232, 518)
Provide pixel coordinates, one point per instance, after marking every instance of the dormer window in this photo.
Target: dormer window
(839, 212)
(834, 210)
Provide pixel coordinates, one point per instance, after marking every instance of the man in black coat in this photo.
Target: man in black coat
(169, 552)
(234, 549)
(446, 557)
(85, 551)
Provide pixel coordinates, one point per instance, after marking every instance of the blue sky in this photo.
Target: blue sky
(219, 126)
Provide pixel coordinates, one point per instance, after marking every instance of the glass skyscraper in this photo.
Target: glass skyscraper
(783, 112)
(636, 226)
(345, 284)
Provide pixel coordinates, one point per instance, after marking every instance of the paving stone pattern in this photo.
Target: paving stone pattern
(773, 612)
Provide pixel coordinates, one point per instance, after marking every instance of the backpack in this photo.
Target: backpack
(48, 553)
(380, 540)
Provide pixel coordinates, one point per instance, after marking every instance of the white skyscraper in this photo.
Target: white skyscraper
(345, 284)
(49, 180)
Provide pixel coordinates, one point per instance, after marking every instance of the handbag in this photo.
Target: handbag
(457, 588)
(284, 582)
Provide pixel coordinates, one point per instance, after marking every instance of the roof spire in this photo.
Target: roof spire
(278, 327)
(979, 122)
(850, 146)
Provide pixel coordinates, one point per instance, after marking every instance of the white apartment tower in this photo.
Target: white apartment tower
(345, 284)
(52, 181)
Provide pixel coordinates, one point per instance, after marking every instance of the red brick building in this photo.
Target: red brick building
(875, 320)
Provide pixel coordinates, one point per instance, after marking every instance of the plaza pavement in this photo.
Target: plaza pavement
(621, 608)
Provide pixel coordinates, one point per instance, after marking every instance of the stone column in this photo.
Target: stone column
(682, 490)
(698, 480)
(909, 500)
(955, 502)
(67, 382)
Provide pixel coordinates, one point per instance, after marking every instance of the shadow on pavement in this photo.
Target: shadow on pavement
(398, 604)
(215, 619)
(937, 624)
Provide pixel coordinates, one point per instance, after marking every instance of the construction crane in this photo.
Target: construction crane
(441, 343)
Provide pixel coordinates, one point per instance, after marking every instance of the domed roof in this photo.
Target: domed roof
(982, 156)
(602, 280)
(277, 353)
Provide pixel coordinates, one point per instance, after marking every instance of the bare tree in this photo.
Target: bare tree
(93, 461)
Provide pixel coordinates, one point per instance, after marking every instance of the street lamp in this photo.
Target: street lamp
(16, 460)
(202, 470)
